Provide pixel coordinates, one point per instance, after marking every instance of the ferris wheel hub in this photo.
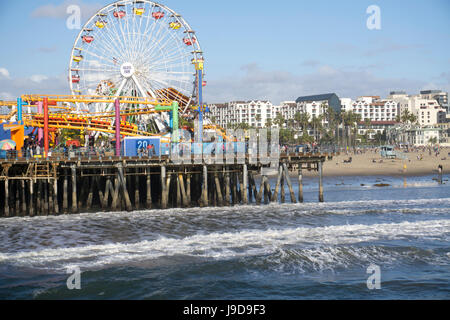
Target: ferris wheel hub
(127, 70)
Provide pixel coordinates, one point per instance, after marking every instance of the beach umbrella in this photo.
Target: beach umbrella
(7, 144)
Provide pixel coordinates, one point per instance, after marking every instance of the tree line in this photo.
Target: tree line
(331, 127)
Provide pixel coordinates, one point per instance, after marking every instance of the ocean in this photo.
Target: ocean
(397, 237)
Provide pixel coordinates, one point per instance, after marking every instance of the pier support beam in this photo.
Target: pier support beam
(123, 182)
(148, 189)
(65, 195)
(90, 193)
(218, 190)
(188, 189)
(101, 197)
(6, 197)
(234, 188)
(46, 197)
(183, 191)
(277, 186)
(204, 200)
(163, 188)
(253, 185)
(300, 184)
(55, 196)
(38, 198)
(107, 191)
(50, 197)
(320, 181)
(227, 188)
(115, 194)
(31, 198)
(261, 190)
(178, 187)
(17, 192)
(24, 202)
(241, 187)
(74, 189)
(288, 180)
(244, 184)
(136, 192)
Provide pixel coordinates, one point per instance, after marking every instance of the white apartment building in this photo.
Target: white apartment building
(372, 108)
(313, 108)
(255, 113)
(423, 136)
(428, 110)
(288, 109)
(440, 96)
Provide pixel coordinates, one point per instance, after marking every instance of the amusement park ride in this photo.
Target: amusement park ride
(139, 54)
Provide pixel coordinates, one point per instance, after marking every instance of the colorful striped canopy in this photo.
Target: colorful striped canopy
(7, 144)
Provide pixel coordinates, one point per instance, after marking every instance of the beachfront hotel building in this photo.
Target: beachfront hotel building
(317, 105)
(255, 113)
(372, 108)
(430, 107)
(440, 96)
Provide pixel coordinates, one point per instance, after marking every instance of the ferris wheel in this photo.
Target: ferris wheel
(135, 48)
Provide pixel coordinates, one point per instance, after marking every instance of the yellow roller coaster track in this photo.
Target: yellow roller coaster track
(95, 99)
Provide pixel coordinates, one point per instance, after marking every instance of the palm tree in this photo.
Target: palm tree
(290, 123)
(258, 119)
(279, 120)
(368, 125)
(303, 119)
(350, 119)
(269, 123)
(407, 117)
(432, 141)
(298, 119)
(317, 124)
(331, 117)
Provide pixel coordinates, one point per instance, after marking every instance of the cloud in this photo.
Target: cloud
(277, 86)
(38, 78)
(60, 11)
(37, 84)
(310, 63)
(6, 96)
(327, 70)
(440, 82)
(47, 50)
(391, 47)
(4, 73)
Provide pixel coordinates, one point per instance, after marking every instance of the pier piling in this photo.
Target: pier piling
(320, 182)
(53, 186)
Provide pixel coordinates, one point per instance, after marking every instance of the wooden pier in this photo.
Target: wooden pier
(53, 186)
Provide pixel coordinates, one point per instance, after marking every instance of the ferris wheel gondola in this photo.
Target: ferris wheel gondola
(131, 48)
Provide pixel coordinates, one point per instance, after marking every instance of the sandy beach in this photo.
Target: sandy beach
(371, 163)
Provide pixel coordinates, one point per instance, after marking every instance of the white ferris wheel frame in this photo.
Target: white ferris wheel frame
(142, 85)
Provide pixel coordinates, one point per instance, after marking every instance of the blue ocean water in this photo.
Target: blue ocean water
(278, 251)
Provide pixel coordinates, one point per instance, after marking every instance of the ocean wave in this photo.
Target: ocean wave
(228, 245)
(331, 258)
(439, 204)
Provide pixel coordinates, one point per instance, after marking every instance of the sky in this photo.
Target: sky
(255, 49)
